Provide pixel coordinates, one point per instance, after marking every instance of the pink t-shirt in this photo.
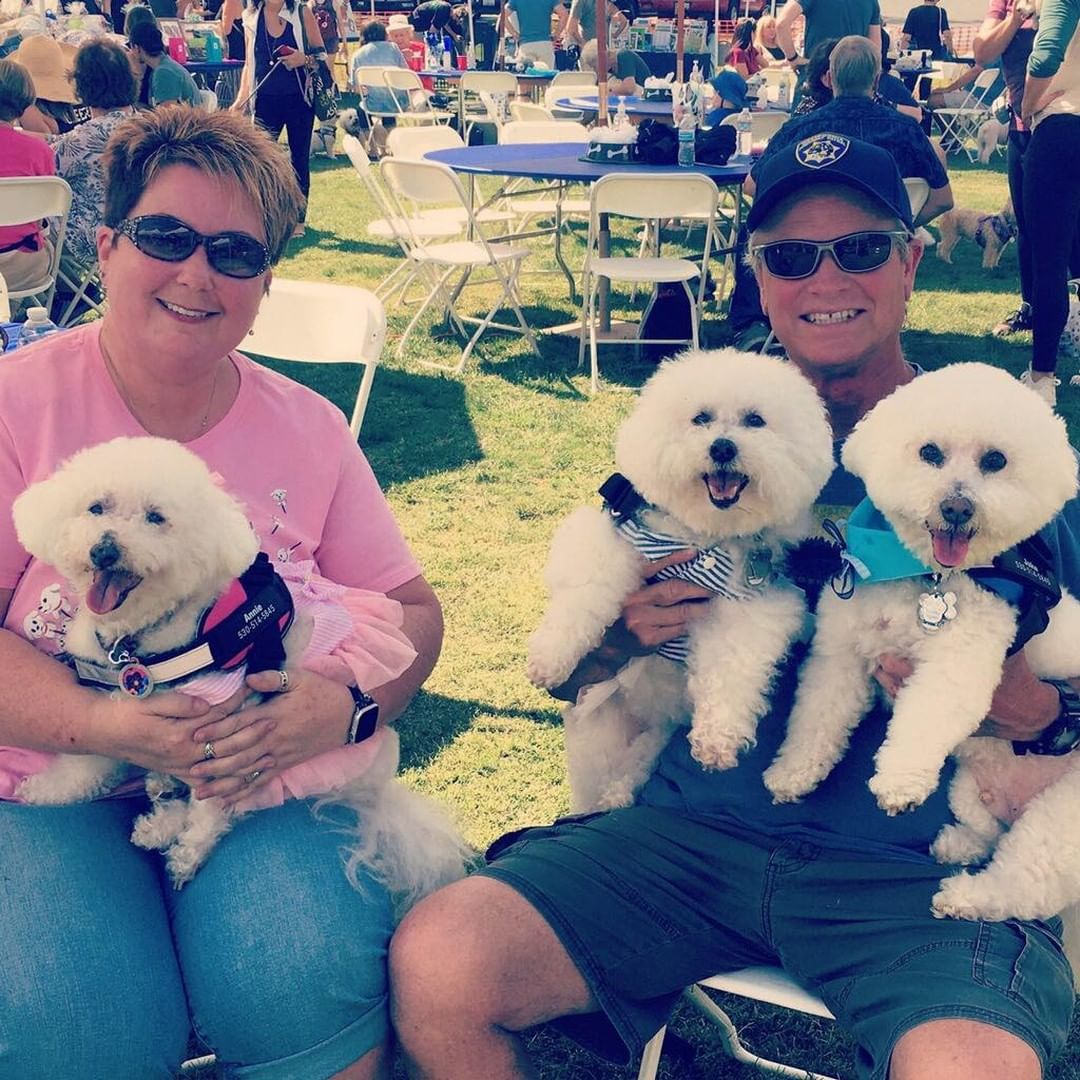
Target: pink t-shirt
(283, 450)
(22, 155)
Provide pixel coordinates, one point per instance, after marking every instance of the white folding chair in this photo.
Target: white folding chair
(484, 94)
(320, 323)
(414, 104)
(365, 80)
(554, 204)
(427, 183)
(32, 198)
(209, 100)
(768, 984)
(568, 84)
(431, 225)
(86, 287)
(960, 124)
(763, 125)
(645, 198)
(526, 110)
(918, 191)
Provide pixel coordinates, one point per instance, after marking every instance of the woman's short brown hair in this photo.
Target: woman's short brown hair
(16, 90)
(103, 76)
(222, 144)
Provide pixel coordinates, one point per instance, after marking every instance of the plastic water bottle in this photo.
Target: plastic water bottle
(744, 126)
(447, 52)
(214, 51)
(510, 52)
(783, 97)
(37, 325)
(686, 142)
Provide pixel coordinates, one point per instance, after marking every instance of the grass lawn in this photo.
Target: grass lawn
(480, 468)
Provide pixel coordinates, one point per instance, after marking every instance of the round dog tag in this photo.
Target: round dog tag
(136, 680)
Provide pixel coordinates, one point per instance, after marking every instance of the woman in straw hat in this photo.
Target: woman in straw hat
(48, 63)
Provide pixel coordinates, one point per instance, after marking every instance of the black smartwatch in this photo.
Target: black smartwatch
(365, 717)
(1063, 735)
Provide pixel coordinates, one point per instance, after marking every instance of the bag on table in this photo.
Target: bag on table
(715, 145)
(658, 144)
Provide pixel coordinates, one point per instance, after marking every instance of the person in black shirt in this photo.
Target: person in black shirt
(927, 27)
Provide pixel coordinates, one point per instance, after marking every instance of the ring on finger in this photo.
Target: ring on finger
(208, 751)
(284, 677)
(252, 776)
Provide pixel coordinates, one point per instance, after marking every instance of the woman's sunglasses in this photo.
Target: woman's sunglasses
(161, 236)
(856, 253)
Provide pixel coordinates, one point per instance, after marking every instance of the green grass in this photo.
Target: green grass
(479, 469)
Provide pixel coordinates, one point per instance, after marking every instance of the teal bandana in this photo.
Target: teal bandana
(875, 551)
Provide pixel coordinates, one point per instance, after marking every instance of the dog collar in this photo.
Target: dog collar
(245, 624)
(874, 551)
(620, 496)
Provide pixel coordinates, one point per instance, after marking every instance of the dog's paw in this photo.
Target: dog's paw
(787, 784)
(717, 751)
(969, 896)
(900, 793)
(545, 670)
(615, 796)
(182, 862)
(45, 790)
(959, 846)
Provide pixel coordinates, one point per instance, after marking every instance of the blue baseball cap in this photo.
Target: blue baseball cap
(731, 86)
(829, 158)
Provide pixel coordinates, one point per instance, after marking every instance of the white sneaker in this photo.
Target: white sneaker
(926, 236)
(1046, 387)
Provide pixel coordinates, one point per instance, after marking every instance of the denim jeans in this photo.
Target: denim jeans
(269, 955)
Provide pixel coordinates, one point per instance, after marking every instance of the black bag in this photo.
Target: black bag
(318, 88)
(715, 145)
(669, 317)
(658, 144)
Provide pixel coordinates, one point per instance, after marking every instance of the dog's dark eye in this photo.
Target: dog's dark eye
(993, 461)
(932, 455)
(753, 419)
(703, 418)
(155, 517)
(96, 509)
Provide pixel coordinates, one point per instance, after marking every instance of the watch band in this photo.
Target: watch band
(365, 717)
(1063, 735)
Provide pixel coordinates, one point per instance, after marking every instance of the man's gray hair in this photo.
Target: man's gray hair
(854, 66)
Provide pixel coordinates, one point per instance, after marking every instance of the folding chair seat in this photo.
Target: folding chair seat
(638, 196)
(426, 183)
(526, 110)
(486, 97)
(768, 984)
(960, 124)
(316, 322)
(32, 198)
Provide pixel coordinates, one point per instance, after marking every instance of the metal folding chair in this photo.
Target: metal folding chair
(31, 198)
(960, 124)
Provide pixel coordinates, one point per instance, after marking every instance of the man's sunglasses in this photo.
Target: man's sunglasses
(856, 253)
(161, 236)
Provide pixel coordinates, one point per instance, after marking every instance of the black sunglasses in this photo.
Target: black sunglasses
(161, 236)
(856, 253)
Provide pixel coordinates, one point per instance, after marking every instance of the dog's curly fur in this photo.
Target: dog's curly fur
(729, 451)
(966, 438)
(148, 539)
(979, 228)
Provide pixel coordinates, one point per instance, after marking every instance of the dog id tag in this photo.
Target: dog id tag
(136, 680)
(936, 609)
(758, 567)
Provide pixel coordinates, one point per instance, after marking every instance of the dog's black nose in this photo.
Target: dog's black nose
(956, 510)
(723, 451)
(105, 553)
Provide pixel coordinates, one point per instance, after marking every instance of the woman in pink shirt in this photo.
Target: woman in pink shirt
(24, 249)
(744, 56)
(269, 954)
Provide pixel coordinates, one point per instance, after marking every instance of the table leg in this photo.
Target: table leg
(603, 296)
(560, 191)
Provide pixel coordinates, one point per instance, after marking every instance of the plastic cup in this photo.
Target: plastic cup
(462, 62)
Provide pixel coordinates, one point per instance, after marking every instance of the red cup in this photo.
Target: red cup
(462, 62)
(416, 63)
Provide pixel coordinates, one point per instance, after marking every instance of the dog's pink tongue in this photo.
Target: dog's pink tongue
(724, 485)
(950, 548)
(108, 589)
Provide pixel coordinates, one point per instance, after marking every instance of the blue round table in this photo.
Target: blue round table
(635, 106)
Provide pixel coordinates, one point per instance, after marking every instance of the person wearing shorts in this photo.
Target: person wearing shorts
(599, 922)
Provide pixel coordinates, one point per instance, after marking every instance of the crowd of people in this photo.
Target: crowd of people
(596, 923)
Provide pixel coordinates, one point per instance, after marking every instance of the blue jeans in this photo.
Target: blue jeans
(269, 954)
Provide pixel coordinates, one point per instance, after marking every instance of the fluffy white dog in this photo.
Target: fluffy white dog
(964, 463)
(992, 134)
(149, 540)
(726, 452)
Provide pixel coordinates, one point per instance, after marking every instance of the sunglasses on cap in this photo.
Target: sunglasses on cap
(161, 236)
(856, 253)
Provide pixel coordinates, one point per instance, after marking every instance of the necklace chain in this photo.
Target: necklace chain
(126, 396)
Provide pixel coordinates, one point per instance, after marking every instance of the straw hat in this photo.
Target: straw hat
(399, 22)
(49, 63)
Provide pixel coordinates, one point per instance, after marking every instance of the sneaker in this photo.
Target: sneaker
(1019, 320)
(925, 236)
(1045, 387)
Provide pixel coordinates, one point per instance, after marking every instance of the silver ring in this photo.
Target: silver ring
(208, 752)
(284, 677)
(252, 776)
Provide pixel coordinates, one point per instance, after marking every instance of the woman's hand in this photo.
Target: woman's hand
(157, 732)
(293, 60)
(303, 715)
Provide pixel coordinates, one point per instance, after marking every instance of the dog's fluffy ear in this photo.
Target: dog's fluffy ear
(38, 514)
(236, 541)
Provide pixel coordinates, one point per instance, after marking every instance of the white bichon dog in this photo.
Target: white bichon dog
(965, 464)
(153, 547)
(724, 452)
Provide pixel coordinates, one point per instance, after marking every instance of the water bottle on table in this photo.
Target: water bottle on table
(37, 325)
(744, 127)
(686, 141)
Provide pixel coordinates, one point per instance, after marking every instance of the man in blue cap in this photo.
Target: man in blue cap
(599, 922)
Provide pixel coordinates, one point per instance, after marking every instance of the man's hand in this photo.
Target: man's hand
(1022, 705)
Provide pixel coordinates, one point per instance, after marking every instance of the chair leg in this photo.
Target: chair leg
(695, 315)
(586, 281)
(436, 294)
(650, 1056)
(594, 357)
(734, 1048)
